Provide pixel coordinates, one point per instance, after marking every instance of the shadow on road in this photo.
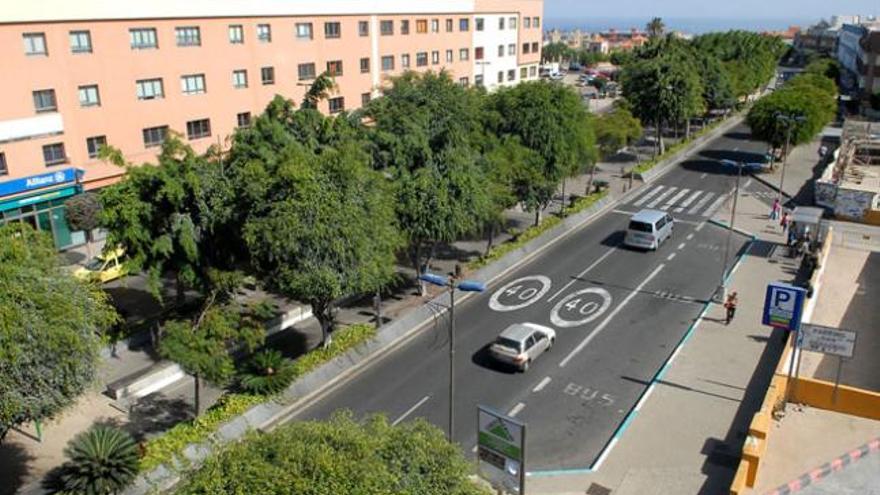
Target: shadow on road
(483, 359)
(737, 156)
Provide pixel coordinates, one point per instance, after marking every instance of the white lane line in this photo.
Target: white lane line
(684, 204)
(700, 226)
(690, 236)
(516, 409)
(663, 196)
(675, 199)
(611, 316)
(715, 205)
(669, 258)
(410, 410)
(702, 202)
(648, 195)
(681, 246)
(704, 175)
(748, 183)
(581, 274)
(541, 385)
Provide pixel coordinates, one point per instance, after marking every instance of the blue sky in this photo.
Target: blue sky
(739, 9)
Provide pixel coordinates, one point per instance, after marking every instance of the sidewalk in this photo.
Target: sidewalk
(689, 432)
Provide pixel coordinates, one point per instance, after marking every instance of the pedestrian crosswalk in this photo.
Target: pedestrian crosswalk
(679, 200)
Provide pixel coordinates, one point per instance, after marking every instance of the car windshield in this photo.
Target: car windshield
(95, 264)
(509, 343)
(640, 226)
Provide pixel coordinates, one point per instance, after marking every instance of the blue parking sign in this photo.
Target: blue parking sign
(783, 306)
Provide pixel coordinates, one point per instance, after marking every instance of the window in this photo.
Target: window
(4, 170)
(88, 96)
(464, 54)
(421, 59)
(264, 33)
(404, 60)
(196, 129)
(500, 50)
(365, 99)
(511, 49)
(44, 100)
(479, 23)
(527, 22)
(435, 57)
(236, 33)
(501, 23)
(239, 79)
(80, 42)
(478, 53)
(536, 22)
(388, 63)
(464, 24)
(306, 71)
(365, 65)
(304, 31)
(435, 25)
(421, 26)
(150, 89)
(404, 27)
(243, 119)
(463, 81)
(155, 136)
(512, 22)
(332, 30)
(35, 44)
(188, 36)
(267, 75)
(511, 75)
(449, 25)
(525, 48)
(500, 77)
(450, 56)
(193, 84)
(53, 154)
(478, 80)
(143, 38)
(334, 67)
(336, 104)
(363, 28)
(523, 73)
(386, 28)
(535, 47)
(533, 71)
(94, 144)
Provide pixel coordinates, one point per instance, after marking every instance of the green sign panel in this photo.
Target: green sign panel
(38, 198)
(501, 449)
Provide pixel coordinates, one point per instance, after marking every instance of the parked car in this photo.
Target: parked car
(521, 343)
(104, 267)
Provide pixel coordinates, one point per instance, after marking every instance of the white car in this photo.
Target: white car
(521, 343)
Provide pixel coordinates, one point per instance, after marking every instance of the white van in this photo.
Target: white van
(648, 229)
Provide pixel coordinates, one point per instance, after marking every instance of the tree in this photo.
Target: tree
(616, 129)
(655, 28)
(267, 373)
(50, 329)
(338, 456)
(320, 89)
(83, 212)
(101, 461)
(825, 67)
(556, 52)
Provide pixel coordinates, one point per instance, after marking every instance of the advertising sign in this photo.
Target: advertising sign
(33, 182)
(827, 340)
(783, 306)
(501, 450)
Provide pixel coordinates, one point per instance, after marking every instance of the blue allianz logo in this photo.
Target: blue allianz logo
(25, 184)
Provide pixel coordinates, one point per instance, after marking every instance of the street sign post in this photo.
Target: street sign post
(501, 450)
(783, 308)
(828, 340)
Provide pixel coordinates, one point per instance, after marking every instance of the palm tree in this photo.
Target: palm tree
(267, 373)
(102, 461)
(655, 28)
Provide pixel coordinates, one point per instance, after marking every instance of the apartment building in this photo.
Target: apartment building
(78, 75)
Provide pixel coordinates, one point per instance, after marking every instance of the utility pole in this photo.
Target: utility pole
(788, 121)
(721, 293)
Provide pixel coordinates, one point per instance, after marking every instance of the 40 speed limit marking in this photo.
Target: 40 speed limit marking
(520, 293)
(580, 308)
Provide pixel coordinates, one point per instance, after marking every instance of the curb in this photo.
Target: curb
(775, 187)
(724, 225)
(826, 469)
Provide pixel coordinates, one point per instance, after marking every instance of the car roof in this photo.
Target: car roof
(648, 216)
(520, 331)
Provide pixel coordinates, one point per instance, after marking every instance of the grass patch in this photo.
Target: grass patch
(164, 448)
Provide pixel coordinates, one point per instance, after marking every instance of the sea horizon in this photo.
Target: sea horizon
(690, 25)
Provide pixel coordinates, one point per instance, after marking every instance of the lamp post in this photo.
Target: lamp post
(452, 283)
(721, 292)
(788, 121)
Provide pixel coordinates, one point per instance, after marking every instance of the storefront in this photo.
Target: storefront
(39, 201)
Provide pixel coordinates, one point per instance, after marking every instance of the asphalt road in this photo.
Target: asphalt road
(618, 314)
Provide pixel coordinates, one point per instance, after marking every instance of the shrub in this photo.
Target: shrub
(267, 373)
(102, 461)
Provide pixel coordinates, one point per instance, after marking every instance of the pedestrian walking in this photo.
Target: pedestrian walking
(730, 306)
(823, 150)
(774, 210)
(785, 221)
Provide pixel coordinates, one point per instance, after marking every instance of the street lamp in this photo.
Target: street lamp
(721, 292)
(453, 283)
(788, 121)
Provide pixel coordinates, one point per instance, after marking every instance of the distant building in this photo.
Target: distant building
(822, 37)
(858, 52)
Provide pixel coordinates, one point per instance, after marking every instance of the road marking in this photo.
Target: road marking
(704, 175)
(410, 410)
(624, 212)
(748, 183)
(611, 316)
(675, 199)
(717, 204)
(690, 236)
(648, 196)
(601, 459)
(669, 258)
(659, 199)
(540, 386)
(700, 226)
(702, 202)
(588, 309)
(516, 409)
(681, 246)
(693, 197)
(520, 298)
(581, 274)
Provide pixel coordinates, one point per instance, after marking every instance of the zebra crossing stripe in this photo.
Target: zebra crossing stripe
(688, 201)
(675, 199)
(701, 203)
(717, 204)
(648, 196)
(663, 196)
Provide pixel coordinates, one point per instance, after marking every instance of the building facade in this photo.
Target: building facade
(858, 51)
(79, 75)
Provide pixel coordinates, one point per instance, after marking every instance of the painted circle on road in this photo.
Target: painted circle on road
(580, 308)
(520, 293)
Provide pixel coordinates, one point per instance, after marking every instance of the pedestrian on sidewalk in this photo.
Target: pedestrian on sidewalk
(774, 210)
(785, 221)
(730, 306)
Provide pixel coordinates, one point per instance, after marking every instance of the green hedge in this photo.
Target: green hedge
(675, 148)
(530, 233)
(162, 449)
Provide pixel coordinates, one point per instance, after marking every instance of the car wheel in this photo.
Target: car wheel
(525, 366)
